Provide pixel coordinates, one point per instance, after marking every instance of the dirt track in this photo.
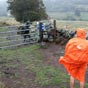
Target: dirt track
(52, 53)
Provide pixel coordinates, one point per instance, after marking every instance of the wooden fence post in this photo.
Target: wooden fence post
(54, 22)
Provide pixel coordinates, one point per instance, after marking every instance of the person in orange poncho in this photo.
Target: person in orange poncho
(75, 58)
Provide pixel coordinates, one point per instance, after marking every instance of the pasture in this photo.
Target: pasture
(8, 21)
(5, 21)
(27, 67)
(32, 66)
(68, 16)
(72, 25)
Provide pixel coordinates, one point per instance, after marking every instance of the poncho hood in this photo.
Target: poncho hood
(81, 33)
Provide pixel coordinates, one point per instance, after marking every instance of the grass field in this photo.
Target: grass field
(60, 23)
(68, 15)
(19, 62)
(73, 25)
(7, 21)
(25, 68)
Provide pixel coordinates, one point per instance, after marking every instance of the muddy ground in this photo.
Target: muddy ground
(50, 56)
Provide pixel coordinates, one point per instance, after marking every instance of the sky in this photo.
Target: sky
(3, 0)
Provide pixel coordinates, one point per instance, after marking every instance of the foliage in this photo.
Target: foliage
(24, 10)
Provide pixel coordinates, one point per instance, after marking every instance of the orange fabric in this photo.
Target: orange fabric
(75, 58)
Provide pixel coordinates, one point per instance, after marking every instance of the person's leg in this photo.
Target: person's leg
(81, 84)
(71, 82)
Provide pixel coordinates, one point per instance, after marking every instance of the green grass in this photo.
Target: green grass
(59, 15)
(84, 16)
(32, 59)
(45, 74)
(73, 25)
(66, 15)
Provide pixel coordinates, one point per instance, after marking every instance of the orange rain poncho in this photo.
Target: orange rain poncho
(75, 58)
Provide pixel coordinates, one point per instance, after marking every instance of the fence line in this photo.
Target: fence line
(15, 31)
(15, 40)
(17, 45)
(11, 37)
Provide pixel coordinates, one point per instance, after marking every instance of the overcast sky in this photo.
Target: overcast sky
(3, 0)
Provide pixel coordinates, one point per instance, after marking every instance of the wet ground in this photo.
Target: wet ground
(50, 53)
